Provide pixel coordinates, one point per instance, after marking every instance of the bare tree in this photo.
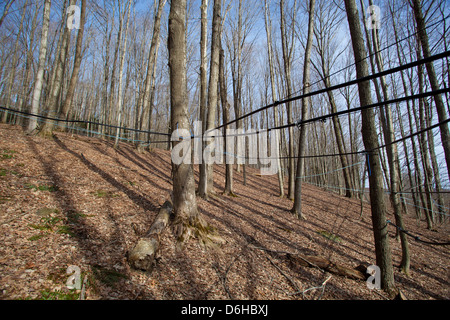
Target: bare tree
(288, 49)
(55, 91)
(76, 65)
(228, 190)
(205, 185)
(370, 138)
(26, 89)
(32, 124)
(203, 63)
(188, 220)
(121, 65)
(14, 65)
(297, 208)
(151, 69)
(325, 30)
(268, 26)
(388, 130)
(6, 10)
(440, 107)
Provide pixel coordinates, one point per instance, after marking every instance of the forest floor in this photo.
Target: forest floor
(73, 200)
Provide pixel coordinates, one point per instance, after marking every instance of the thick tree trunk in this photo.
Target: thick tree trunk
(391, 149)
(188, 220)
(370, 139)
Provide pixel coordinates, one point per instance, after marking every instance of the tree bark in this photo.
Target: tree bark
(206, 181)
(32, 124)
(203, 64)
(370, 139)
(142, 256)
(268, 25)
(228, 190)
(121, 64)
(53, 101)
(297, 208)
(188, 220)
(76, 65)
(326, 265)
(287, 59)
(26, 83)
(391, 149)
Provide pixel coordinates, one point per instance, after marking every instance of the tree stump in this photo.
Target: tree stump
(142, 256)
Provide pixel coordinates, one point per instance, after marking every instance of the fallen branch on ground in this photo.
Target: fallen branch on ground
(322, 286)
(325, 264)
(320, 263)
(143, 254)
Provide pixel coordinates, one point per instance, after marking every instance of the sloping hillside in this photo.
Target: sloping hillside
(77, 201)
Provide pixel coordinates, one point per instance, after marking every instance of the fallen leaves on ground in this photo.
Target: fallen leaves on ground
(77, 201)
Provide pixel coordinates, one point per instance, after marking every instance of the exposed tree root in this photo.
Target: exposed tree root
(196, 227)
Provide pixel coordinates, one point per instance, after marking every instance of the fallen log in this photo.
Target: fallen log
(142, 256)
(326, 265)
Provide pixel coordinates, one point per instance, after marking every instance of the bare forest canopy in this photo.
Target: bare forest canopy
(356, 90)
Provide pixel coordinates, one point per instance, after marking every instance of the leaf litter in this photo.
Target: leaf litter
(77, 201)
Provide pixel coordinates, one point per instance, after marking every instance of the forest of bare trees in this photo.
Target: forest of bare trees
(136, 70)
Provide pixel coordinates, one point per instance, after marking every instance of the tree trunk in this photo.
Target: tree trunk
(203, 64)
(268, 24)
(25, 88)
(391, 149)
(297, 208)
(323, 71)
(53, 101)
(121, 64)
(287, 58)
(151, 63)
(206, 181)
(14, 65)
(370, 139)
(423, 149)
(76, 65)
(228, 190)
(188, 220)
(405, 145)
(112, 91)
(441, 110)
(32, 124)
